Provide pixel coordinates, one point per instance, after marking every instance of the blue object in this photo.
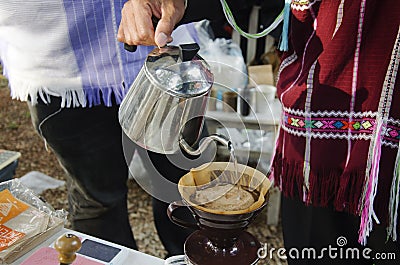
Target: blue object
(8, 172)
(284, 42)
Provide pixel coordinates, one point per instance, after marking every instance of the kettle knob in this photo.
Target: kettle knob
(188, 51)
(67, 245)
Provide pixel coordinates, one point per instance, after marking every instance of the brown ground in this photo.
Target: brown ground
(17, 133)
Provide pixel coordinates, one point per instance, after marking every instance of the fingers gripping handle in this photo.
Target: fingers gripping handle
(133, 48)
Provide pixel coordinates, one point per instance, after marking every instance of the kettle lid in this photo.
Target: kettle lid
(179, 70)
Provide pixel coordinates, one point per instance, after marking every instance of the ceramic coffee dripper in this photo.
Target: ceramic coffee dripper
(164, 108)
(220, 237)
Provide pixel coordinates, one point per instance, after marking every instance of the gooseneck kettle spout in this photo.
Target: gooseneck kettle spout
(205, 143)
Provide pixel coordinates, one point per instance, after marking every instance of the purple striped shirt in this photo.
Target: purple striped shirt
(69, 49)
(102, 61)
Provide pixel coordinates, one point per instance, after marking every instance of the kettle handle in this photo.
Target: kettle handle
(130, 48)
(170, 212)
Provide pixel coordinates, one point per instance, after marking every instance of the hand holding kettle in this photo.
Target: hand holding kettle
(136, 26)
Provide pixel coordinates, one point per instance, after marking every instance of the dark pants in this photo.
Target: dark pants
(170, 168)
(88, 145)
(306, 227)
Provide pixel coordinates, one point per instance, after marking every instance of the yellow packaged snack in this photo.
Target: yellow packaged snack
(18, 220)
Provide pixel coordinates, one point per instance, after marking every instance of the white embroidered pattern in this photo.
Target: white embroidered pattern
(344, 136)
(390, 144)
(324, 135)
(390, 132)
(330, 113)
(307, 152)
(394, 190)
(393, 121)
(302, 5)
(339, 17)
(285, 63)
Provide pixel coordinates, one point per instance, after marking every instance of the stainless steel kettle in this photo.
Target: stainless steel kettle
(164, 108)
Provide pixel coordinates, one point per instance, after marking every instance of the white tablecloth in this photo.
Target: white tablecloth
(133, 257)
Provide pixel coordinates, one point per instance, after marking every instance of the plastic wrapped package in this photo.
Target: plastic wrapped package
(224, 56)
(25, 220)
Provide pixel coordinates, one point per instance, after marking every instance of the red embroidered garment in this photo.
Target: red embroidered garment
(340, 128)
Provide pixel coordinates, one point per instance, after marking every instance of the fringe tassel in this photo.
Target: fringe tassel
(23, 91)
(284, 42)
(306, 187)
(93, 97)
(96, 96)
(331, 187)
(368, 213)
(394, 200)
(288, 177)
(349, 190)
(270, 174)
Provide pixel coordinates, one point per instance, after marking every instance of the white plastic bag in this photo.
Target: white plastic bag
(224, 56)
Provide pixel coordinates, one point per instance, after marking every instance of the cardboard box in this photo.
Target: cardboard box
(261, 74)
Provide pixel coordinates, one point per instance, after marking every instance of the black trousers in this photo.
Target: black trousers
(88, 145)
(306, 228)
(159, 166)
(170, 168)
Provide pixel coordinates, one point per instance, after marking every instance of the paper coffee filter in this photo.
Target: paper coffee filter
(222, 173)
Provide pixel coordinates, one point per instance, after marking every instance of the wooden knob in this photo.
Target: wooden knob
(67, 245)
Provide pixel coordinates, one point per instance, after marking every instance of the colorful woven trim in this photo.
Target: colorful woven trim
(337, 125)
(392, 134)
